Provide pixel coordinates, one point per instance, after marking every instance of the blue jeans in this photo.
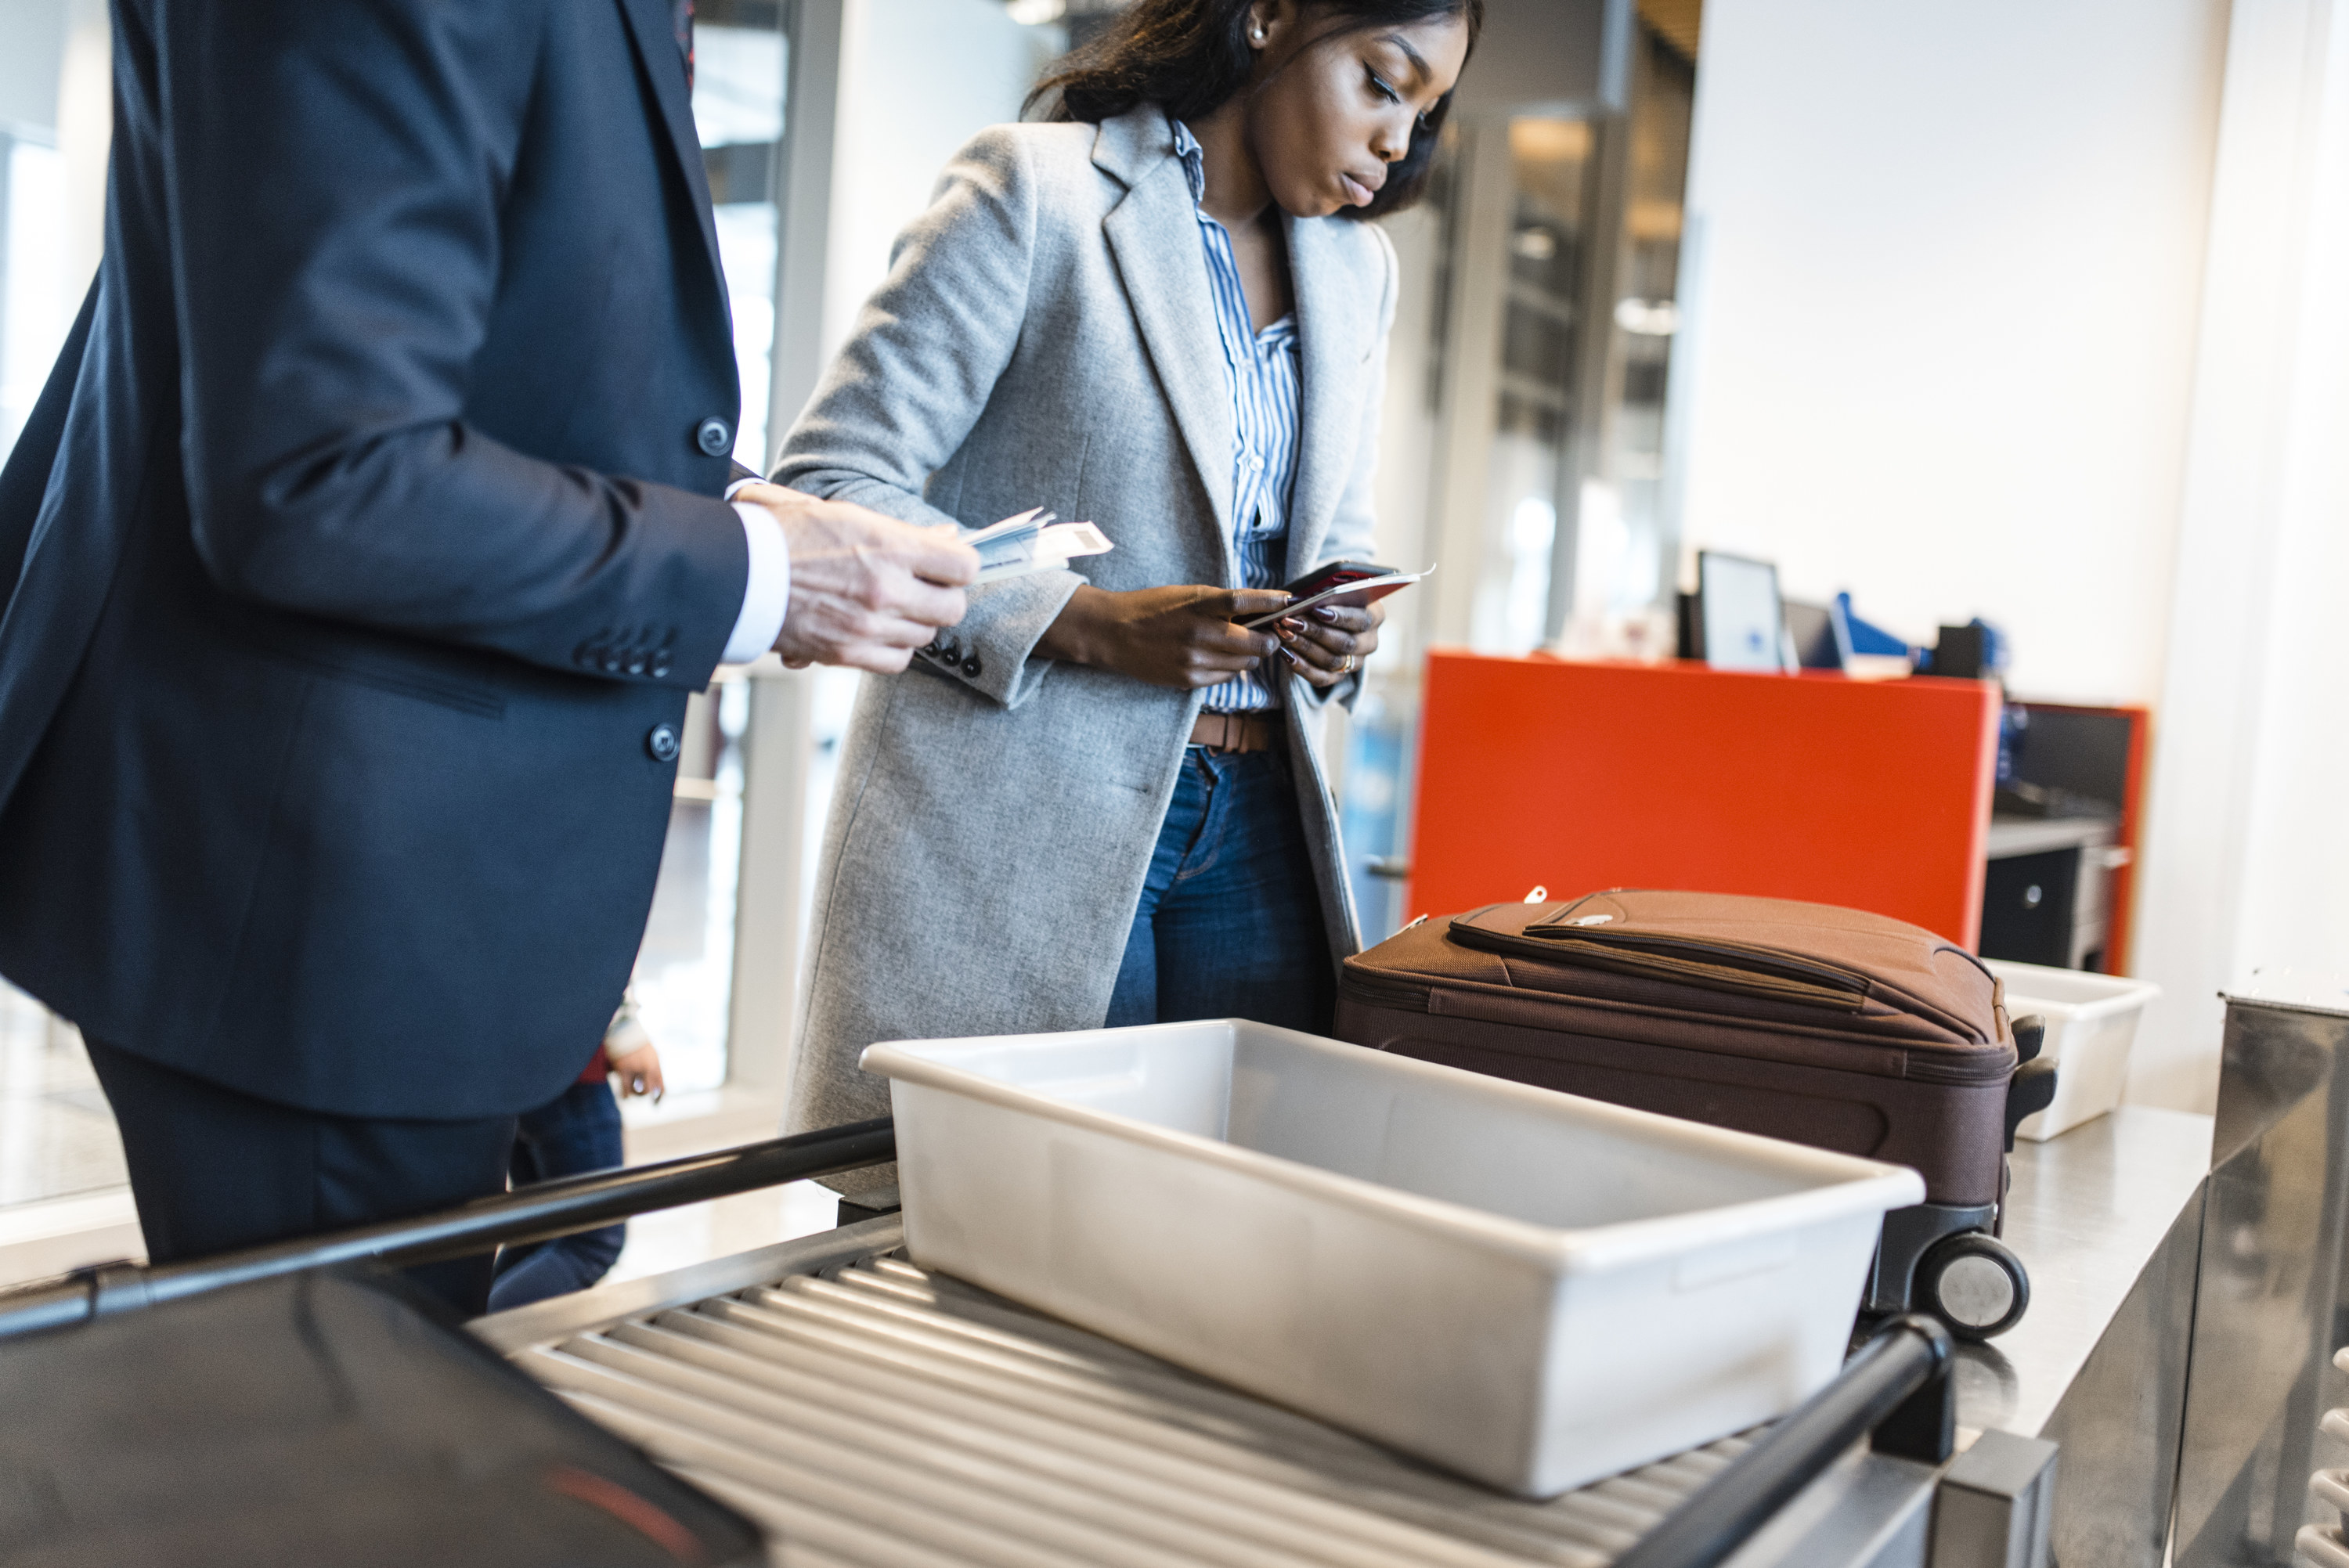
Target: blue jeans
(570, 1136)
(1230, 923)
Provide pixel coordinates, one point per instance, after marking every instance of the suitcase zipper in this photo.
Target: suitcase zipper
(1709, 965)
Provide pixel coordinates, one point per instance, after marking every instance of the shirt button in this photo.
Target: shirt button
(714, 436)
(662, 743)
(1251, 462)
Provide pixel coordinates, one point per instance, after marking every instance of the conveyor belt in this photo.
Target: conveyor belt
(882, 1416)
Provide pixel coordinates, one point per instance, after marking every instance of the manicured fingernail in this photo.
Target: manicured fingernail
(1292, 658)
(1323, 612)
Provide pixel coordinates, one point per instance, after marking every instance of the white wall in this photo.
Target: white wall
(2247, 863)
(2034, 309)
(1940, 313)
(917, 79)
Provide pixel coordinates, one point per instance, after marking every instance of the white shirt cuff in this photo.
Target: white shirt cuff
(768, 592)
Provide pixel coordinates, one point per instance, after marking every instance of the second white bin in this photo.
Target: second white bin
(2091, 1022)
(1529, 1288)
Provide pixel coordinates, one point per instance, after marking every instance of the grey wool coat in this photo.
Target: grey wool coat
(1046, 337)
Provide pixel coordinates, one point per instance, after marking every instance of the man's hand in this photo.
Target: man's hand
(1181, 637)
(638, 1070)
(866, 590)
(1329, 642)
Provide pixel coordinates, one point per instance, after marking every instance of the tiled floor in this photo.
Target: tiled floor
(57, 1137)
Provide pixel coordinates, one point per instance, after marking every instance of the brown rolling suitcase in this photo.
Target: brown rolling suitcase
(1828, 1027)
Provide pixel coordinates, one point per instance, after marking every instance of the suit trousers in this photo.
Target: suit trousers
(576, 1132)
(213, 1169)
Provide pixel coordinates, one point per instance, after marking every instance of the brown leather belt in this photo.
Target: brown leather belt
(1236, 732)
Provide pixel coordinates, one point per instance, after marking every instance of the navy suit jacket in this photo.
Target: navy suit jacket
(366, 542)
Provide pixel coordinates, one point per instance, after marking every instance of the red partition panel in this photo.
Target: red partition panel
(1579, 776)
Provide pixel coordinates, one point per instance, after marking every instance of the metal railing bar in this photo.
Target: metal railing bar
(535, 1213)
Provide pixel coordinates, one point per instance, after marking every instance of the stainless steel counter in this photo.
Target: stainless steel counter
(2088, 1212)
(2272, 1295)
(2108, 1219)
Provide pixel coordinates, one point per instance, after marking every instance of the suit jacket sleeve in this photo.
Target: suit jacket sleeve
(1353, 527)
(334, 180)
(915, 374)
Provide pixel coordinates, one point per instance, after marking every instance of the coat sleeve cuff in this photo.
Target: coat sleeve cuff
(992, 650)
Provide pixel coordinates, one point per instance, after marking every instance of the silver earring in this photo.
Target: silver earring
(1257, 35)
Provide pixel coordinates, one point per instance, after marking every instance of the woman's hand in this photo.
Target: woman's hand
(1181, 637)
(1331, 642)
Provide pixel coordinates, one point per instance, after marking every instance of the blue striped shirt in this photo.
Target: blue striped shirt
(1260, 370)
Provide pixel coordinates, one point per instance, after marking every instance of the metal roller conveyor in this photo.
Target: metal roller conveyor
(926, 1417)
(870, 1412)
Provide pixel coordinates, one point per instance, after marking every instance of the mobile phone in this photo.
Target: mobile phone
(1351, 583)
(1333, 575)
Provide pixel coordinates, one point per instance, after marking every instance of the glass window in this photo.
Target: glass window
(37, 298)
(685, 970)
(739, 70)
(1551, 167)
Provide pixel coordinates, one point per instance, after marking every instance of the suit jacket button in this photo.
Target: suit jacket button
(636, 664)
(662, 743)
(659, 667)
(970, 665)
(714, 436)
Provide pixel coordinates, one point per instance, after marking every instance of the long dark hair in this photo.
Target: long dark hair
(1190, 55)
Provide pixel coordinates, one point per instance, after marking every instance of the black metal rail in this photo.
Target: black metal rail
(1897, 1388)
(535, 1213)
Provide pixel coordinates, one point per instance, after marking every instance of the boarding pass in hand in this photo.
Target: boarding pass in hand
(1032, 541)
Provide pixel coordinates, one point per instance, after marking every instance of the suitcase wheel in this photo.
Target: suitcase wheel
(1975, 1283)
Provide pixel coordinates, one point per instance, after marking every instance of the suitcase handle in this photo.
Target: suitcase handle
(1898, 1388)
(535, 1213)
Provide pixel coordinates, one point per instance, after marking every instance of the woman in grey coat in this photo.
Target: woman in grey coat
(1100, 797)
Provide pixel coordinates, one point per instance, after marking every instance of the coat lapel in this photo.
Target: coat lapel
(649, 27)
(1154, 235)
(1336, 329)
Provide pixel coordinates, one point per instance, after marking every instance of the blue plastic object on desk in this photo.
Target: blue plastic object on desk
(1867, 638)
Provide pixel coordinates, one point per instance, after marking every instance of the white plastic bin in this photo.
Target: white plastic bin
(1530, 1288)
(2091, 1023)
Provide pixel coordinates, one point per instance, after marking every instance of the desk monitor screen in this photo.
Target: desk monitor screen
(1737, 603)
(1821, 641)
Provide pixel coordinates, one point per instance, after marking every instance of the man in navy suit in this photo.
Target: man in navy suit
(358, 563)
